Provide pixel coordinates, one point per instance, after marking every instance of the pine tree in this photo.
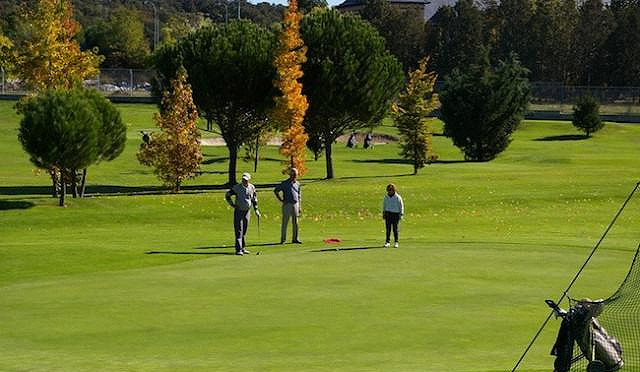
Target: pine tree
(292, 105)
(48, 55)
(175, 152)
(411, 114)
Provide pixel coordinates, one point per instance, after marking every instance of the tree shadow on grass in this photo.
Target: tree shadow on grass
(338, 249)
(231, 246)
(407, 162)
(564, 137)
(114, 190)
(6, 205)
(175, 252)
(215, 160)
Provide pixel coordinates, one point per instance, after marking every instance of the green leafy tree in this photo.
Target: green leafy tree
(480, 108)
(456, 37)
(514, 22)
(68, 113)
(120, 39)
(403, 30)
(47, 55)
(60, 130)
(307, 6)
(231, 73)
(411, 114)
(586, 115)
(349, 77)
(174, 152)
(112, 132)
(550, 40)
(5, 51)
(622, 47)
(594, 25)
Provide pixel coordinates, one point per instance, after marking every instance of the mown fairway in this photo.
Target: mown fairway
(482, 246)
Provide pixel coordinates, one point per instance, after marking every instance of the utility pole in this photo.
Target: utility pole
(156, 26)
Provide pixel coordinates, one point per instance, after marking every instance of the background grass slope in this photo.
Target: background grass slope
(134, 279)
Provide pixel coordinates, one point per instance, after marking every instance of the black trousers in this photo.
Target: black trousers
(391, 220)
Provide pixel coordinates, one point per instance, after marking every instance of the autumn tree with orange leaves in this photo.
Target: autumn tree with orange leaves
(292, 105)
(175, 152)
(47, 55)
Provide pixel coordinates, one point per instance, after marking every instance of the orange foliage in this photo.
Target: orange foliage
(175, 152)
(292, 105)
(49, 56)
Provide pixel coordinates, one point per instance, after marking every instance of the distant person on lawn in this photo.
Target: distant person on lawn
(351, 142)
(368, 139)
(246, 196)
(291, 200)
(392, 212)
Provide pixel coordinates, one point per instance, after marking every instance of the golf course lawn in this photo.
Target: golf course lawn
(132, 278)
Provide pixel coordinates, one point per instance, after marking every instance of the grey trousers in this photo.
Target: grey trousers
(240, 226)
(289, 211)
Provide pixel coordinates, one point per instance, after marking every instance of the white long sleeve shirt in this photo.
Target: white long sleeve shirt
(393, 204)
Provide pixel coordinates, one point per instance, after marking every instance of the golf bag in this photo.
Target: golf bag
(579, 326)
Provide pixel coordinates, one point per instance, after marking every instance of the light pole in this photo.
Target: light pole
(155, 23)
(226, 10)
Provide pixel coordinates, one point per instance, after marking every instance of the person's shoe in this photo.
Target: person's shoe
(244, 251)
(387, 245)
(296, 242)
(395, 245)
(239, 253)
(282, 241)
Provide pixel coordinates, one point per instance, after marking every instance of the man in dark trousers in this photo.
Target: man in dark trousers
(291, 199)
(246, 196)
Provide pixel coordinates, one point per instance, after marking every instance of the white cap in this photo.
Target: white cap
(246, 176)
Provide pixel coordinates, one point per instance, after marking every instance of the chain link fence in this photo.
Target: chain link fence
(546, 97)
(112, 82)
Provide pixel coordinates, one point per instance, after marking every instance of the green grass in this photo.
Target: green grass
(482, 245)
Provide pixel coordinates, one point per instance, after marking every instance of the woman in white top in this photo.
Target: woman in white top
(392, 211)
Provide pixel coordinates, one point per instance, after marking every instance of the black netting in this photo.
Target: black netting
(602, 333)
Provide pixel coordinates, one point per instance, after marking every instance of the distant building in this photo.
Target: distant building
(418, 6)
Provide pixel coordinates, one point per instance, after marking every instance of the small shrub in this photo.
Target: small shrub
(586, 115)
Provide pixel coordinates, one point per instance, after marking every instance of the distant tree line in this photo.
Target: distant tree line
(588, 42)
(576, 43)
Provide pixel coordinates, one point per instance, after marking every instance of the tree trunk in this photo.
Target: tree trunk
(176, 187)
(415, 168)
(55, 181)
(84, 182)
(327, 151)
(255, 161)
(233, 158)
(63, 190)
(209, 124)
(74, 182)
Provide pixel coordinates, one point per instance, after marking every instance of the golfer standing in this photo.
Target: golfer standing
(246, 196)
(392, 212)
(291, 199)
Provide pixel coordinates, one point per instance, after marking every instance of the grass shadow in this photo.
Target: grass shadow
(174, 252)
(383, 161)
(443, 161)
(115, 190)
(232, 247)
(338, 249)
(6, 205)
(564, 137)
(215, 160)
